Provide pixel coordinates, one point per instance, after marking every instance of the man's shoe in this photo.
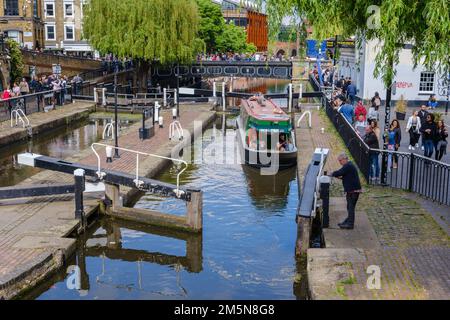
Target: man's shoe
(343, 223)
(325, 226)
(346, 226)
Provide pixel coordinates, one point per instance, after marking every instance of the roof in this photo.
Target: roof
(269, 112)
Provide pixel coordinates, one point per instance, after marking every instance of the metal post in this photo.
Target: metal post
(165, 97)
(79, 189)
(290, 98)
(214, 89)
(411, 172)
(325, 182)
(116, 123)
(224, 103)
(177, 93)
(387, 119)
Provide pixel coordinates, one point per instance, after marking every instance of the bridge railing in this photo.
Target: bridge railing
(36, 102)
(407, 171)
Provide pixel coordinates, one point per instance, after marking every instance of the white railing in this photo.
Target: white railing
(307, 113)
(19, 116)
(176, 125)
(109, 130)
(323, 153)
(137, 182)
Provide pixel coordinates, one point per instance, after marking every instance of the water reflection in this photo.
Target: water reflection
(269, 191)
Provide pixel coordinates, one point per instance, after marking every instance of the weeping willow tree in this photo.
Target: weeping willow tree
(149, 31)
(424, 24)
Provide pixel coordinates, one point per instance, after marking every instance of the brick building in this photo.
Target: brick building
(63, 25)
(21, 20)
(246, 14)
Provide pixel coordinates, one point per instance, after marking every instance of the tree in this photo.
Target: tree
(234, 39)
(16, 61)
(162, 31)
(211, 23)
(424, 24)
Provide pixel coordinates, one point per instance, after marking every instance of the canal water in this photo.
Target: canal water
(246, 249)
(59, 143)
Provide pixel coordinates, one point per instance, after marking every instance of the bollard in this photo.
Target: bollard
(109, 154)
(174, 113)
(214, 89)
(325, 182)
(160, 121)
(156, 115)
(231, 85)
(79, 189)
(95, 96)
(104, 96)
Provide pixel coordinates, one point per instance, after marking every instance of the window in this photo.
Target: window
(11, 7)
(35, 9)
(68, 9)
(49, 9)
(426, 82)
(69, 32)
(50, 32)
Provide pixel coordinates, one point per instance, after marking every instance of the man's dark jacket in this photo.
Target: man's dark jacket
(350, 178)
(371, 140)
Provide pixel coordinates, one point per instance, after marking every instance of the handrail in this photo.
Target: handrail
(109, 129)
(176, 125)
(17, 113)
(301, 118)
(138, 182)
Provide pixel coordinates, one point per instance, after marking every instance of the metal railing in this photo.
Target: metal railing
(407, 171)
(35, 102)
(137, 182)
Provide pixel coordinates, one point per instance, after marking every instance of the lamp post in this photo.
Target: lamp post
(177, 73)
(444, 89)
(116, 121)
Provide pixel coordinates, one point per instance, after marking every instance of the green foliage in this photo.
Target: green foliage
(211, 23)
(16, 61)
(150, 30)
(424, 24)
(234, 39)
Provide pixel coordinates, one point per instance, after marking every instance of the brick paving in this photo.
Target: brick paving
(411, 249)
(52, 217)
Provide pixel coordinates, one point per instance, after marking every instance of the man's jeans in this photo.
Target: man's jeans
(429, 147)
(374, 166)
(352, 199)
(352, 99)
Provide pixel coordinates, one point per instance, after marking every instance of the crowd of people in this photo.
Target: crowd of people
(421, 125)
(239, 57)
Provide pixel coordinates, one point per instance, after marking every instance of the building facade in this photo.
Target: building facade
(21, 20)
(246, 14)
(63, 21)
(416, 85)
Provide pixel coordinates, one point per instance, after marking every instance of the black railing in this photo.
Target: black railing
(36, 102)
(406, 171)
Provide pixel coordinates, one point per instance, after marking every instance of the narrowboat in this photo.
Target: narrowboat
(265, 134)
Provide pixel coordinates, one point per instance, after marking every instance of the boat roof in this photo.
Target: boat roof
(267, 112)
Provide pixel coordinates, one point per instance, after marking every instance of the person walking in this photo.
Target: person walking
(441, 140)
(413, 128)
(352, 187)
(351, 92)
(429, 134)
(392, 139)
(16, 90)
(372, 142)
(423, 113)
(376, 100)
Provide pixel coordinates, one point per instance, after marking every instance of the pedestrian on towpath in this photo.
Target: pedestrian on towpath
(352, 187)
(429, 135)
